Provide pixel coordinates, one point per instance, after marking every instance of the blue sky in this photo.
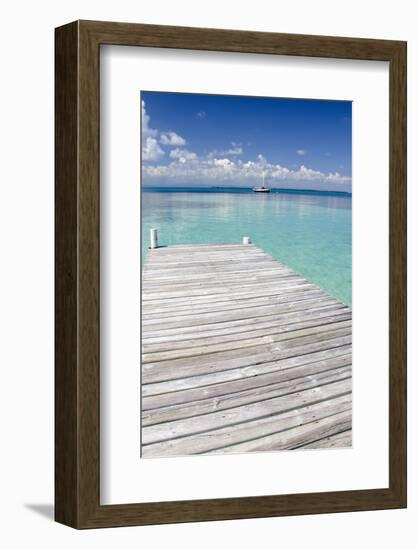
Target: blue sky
(216, 140)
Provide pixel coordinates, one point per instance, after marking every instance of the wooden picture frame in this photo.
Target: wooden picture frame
(77, 405)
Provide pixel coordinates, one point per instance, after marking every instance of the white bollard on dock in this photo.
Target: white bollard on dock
(246, 240)
(154, 238)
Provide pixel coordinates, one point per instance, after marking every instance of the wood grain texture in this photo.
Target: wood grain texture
(215, 366)
(66, 237)
(77, 274)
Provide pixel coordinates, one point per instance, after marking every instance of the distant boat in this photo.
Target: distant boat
(262, 189)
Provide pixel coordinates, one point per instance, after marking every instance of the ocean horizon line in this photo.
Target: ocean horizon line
(228, 189)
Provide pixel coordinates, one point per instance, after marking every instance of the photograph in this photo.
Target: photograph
(246, 295)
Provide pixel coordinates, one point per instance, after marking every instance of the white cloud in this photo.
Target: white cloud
(147, 131)
(334, 176)
(201, 114)
(301, 152)
(151, 150)
(305, 173)
(226, 165)
(182, 155)
(171, 138)
(186, 166)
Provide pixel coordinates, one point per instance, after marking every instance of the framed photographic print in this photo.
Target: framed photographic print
(230, 274)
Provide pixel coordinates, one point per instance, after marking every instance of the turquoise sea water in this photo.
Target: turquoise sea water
(310, 232)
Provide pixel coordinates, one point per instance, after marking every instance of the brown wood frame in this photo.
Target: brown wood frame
(77, 406)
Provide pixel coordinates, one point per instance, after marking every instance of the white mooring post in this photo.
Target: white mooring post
(154, 238)
(246, 240)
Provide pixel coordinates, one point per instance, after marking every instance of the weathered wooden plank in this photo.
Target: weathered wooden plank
(234, 295)
(217, 261)
(161, 313)
(234, 315)
(201, 290)
(245, 342)
(241, 325)
(224, 438)
(287, 361)
(235, 276)
(226, 260)
(339, 440)
(191, 261)
(236, 415)
(237, 285)
(233, 282)
(230, 359)
(261, 268)
(235, 279)
(321, 318)
(195, 375)
(294, 437)
(220, 262)
(240, 398)
(325, 361)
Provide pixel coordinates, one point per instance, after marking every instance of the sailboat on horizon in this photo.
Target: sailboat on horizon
(262, 189)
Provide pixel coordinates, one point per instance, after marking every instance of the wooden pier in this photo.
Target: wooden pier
(240, 354)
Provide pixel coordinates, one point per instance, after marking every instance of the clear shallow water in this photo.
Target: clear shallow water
(311, 233)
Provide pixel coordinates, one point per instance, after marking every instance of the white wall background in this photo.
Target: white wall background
(26, 272)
